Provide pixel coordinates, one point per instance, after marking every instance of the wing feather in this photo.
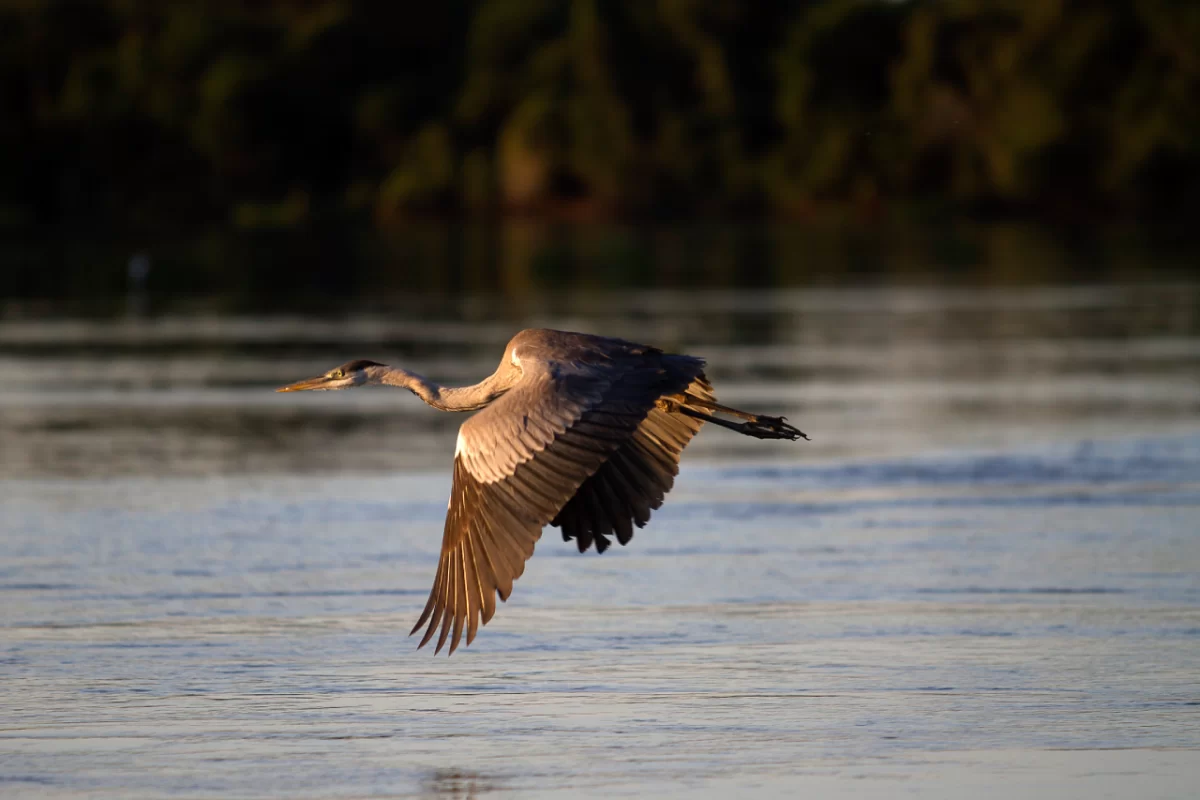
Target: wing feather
(434, 609)
(451, 601)
(637, 503)
(522, 460)
(633, 481)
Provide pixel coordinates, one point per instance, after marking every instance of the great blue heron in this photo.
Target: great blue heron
(577, 431)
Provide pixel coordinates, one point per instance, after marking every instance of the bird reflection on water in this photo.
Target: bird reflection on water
(458, 784)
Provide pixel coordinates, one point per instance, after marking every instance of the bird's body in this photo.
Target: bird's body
(577, 431)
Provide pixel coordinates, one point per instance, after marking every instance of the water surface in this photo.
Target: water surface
(982, 576)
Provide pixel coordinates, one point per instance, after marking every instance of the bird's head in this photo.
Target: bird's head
(347, 376)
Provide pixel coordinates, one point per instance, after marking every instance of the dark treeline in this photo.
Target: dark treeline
(263, 114)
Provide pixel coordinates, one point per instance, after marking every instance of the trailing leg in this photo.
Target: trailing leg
(757, 425)
(710, 405)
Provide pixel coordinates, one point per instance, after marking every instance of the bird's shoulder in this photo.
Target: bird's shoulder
(564, 375)
(563, 349)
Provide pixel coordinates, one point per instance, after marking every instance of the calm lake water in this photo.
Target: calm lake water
(981, 577)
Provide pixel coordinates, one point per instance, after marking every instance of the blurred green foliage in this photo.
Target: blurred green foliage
(272, 113)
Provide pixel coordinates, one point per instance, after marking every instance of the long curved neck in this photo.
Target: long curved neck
(445, 398)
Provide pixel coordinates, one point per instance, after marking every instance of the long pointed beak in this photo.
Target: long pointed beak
(305, 385)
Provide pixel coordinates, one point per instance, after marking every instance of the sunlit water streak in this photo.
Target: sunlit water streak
(974, 581)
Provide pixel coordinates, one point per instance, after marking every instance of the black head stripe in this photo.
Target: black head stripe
(355, 366)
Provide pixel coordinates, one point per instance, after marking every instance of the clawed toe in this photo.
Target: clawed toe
(773, 428)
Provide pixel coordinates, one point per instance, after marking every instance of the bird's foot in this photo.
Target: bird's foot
(763, 427)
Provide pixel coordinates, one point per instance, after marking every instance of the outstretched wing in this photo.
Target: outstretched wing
(519, 461)
(633, 481)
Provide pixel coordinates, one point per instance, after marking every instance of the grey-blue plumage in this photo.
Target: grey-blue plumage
(577, 431)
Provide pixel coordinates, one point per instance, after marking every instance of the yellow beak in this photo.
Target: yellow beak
(305, 385)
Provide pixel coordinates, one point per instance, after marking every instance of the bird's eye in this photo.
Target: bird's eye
(337, 373)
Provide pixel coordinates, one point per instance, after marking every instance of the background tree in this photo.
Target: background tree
(145, 113)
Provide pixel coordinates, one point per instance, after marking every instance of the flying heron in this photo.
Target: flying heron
(577, 431)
